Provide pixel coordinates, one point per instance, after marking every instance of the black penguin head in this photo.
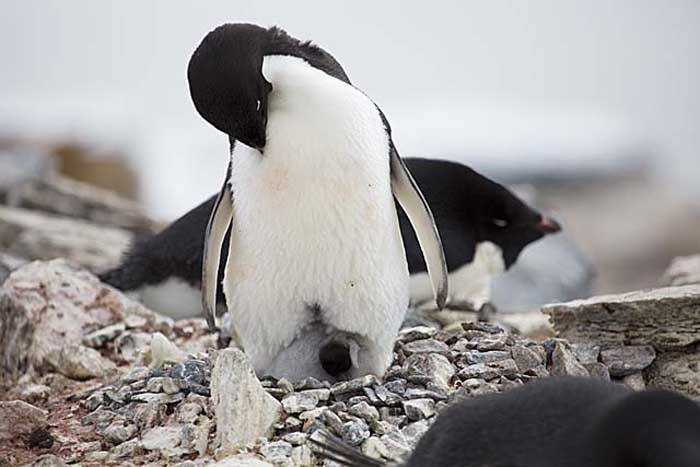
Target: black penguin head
(505, 220)
(226, 81)
(227, 84)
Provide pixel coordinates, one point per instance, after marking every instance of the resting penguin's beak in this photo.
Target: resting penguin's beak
(548, 226)
(219, 222)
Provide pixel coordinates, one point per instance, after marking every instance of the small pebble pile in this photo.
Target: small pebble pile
(166, 415)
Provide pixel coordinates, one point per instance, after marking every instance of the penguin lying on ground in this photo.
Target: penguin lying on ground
(483, 227)
(315, 252)
(555, 422)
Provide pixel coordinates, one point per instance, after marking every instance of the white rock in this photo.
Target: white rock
(47, 306)
(241, 460)
(244, 410)
(163, 351)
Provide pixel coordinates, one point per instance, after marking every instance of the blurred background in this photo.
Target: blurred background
(591, 110)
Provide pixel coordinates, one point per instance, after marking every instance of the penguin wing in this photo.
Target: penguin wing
(421, 218)
(219, 223)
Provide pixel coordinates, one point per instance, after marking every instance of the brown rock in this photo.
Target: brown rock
(47, 307)
(17, 418)
(627, 360)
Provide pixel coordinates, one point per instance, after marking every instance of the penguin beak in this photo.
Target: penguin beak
(548, 226)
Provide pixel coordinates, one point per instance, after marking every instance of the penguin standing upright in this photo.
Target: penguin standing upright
(316, 279)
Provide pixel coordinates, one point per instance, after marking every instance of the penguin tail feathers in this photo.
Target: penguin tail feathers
(327, 446)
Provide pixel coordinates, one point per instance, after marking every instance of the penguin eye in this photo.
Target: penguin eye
(500, 223)
(258, 105)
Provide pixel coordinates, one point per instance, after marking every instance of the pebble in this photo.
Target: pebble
(355, 432)
(365, 411)
(419, 409)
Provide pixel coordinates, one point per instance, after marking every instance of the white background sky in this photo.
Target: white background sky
(495, 83)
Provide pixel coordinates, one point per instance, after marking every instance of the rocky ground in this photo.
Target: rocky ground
(88, 376)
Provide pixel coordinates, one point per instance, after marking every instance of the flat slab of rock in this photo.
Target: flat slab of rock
(46, 308)
(684, 270)
(244, 410)
(37, 236)
(666, 318)
(63, 196)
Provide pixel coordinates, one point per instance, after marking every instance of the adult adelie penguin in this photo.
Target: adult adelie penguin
(316, 279)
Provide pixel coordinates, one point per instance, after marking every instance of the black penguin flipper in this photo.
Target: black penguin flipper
(219, 224)
(327, 446)
(413, 203)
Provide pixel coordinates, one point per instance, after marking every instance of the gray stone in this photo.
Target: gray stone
(623, 361)
(634, 381)
(126, 450)
(33, 393)
(494, 342)
(414, 431)
(17, 418)
(98, 339)
(429, 367)
(37, 236)
(365, 411)
(355, 432)
(354, 387)
(164, 439)
(79, 362)
(63, 196)
(598, 370)
(564, 361)
(425, 346)
(422, 393)
(241, 460)
(474, 356)
(416, 333)
(302, 456)
(487, 371)
(388, 397)
(665, 318)
(375, 448)
(295, 438)
(525, 358)
(244, 411)
(188, 412)
(118, 432)
(276, 451)
(194, 437)
(397, 444)
(9, 263)
(419, 409)
(299, 402)
(586, 353)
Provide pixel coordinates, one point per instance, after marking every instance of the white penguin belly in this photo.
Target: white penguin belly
(470, 283)
(315, 234)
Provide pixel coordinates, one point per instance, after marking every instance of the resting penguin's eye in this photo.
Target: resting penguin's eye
(500, 223)
(257, 106)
